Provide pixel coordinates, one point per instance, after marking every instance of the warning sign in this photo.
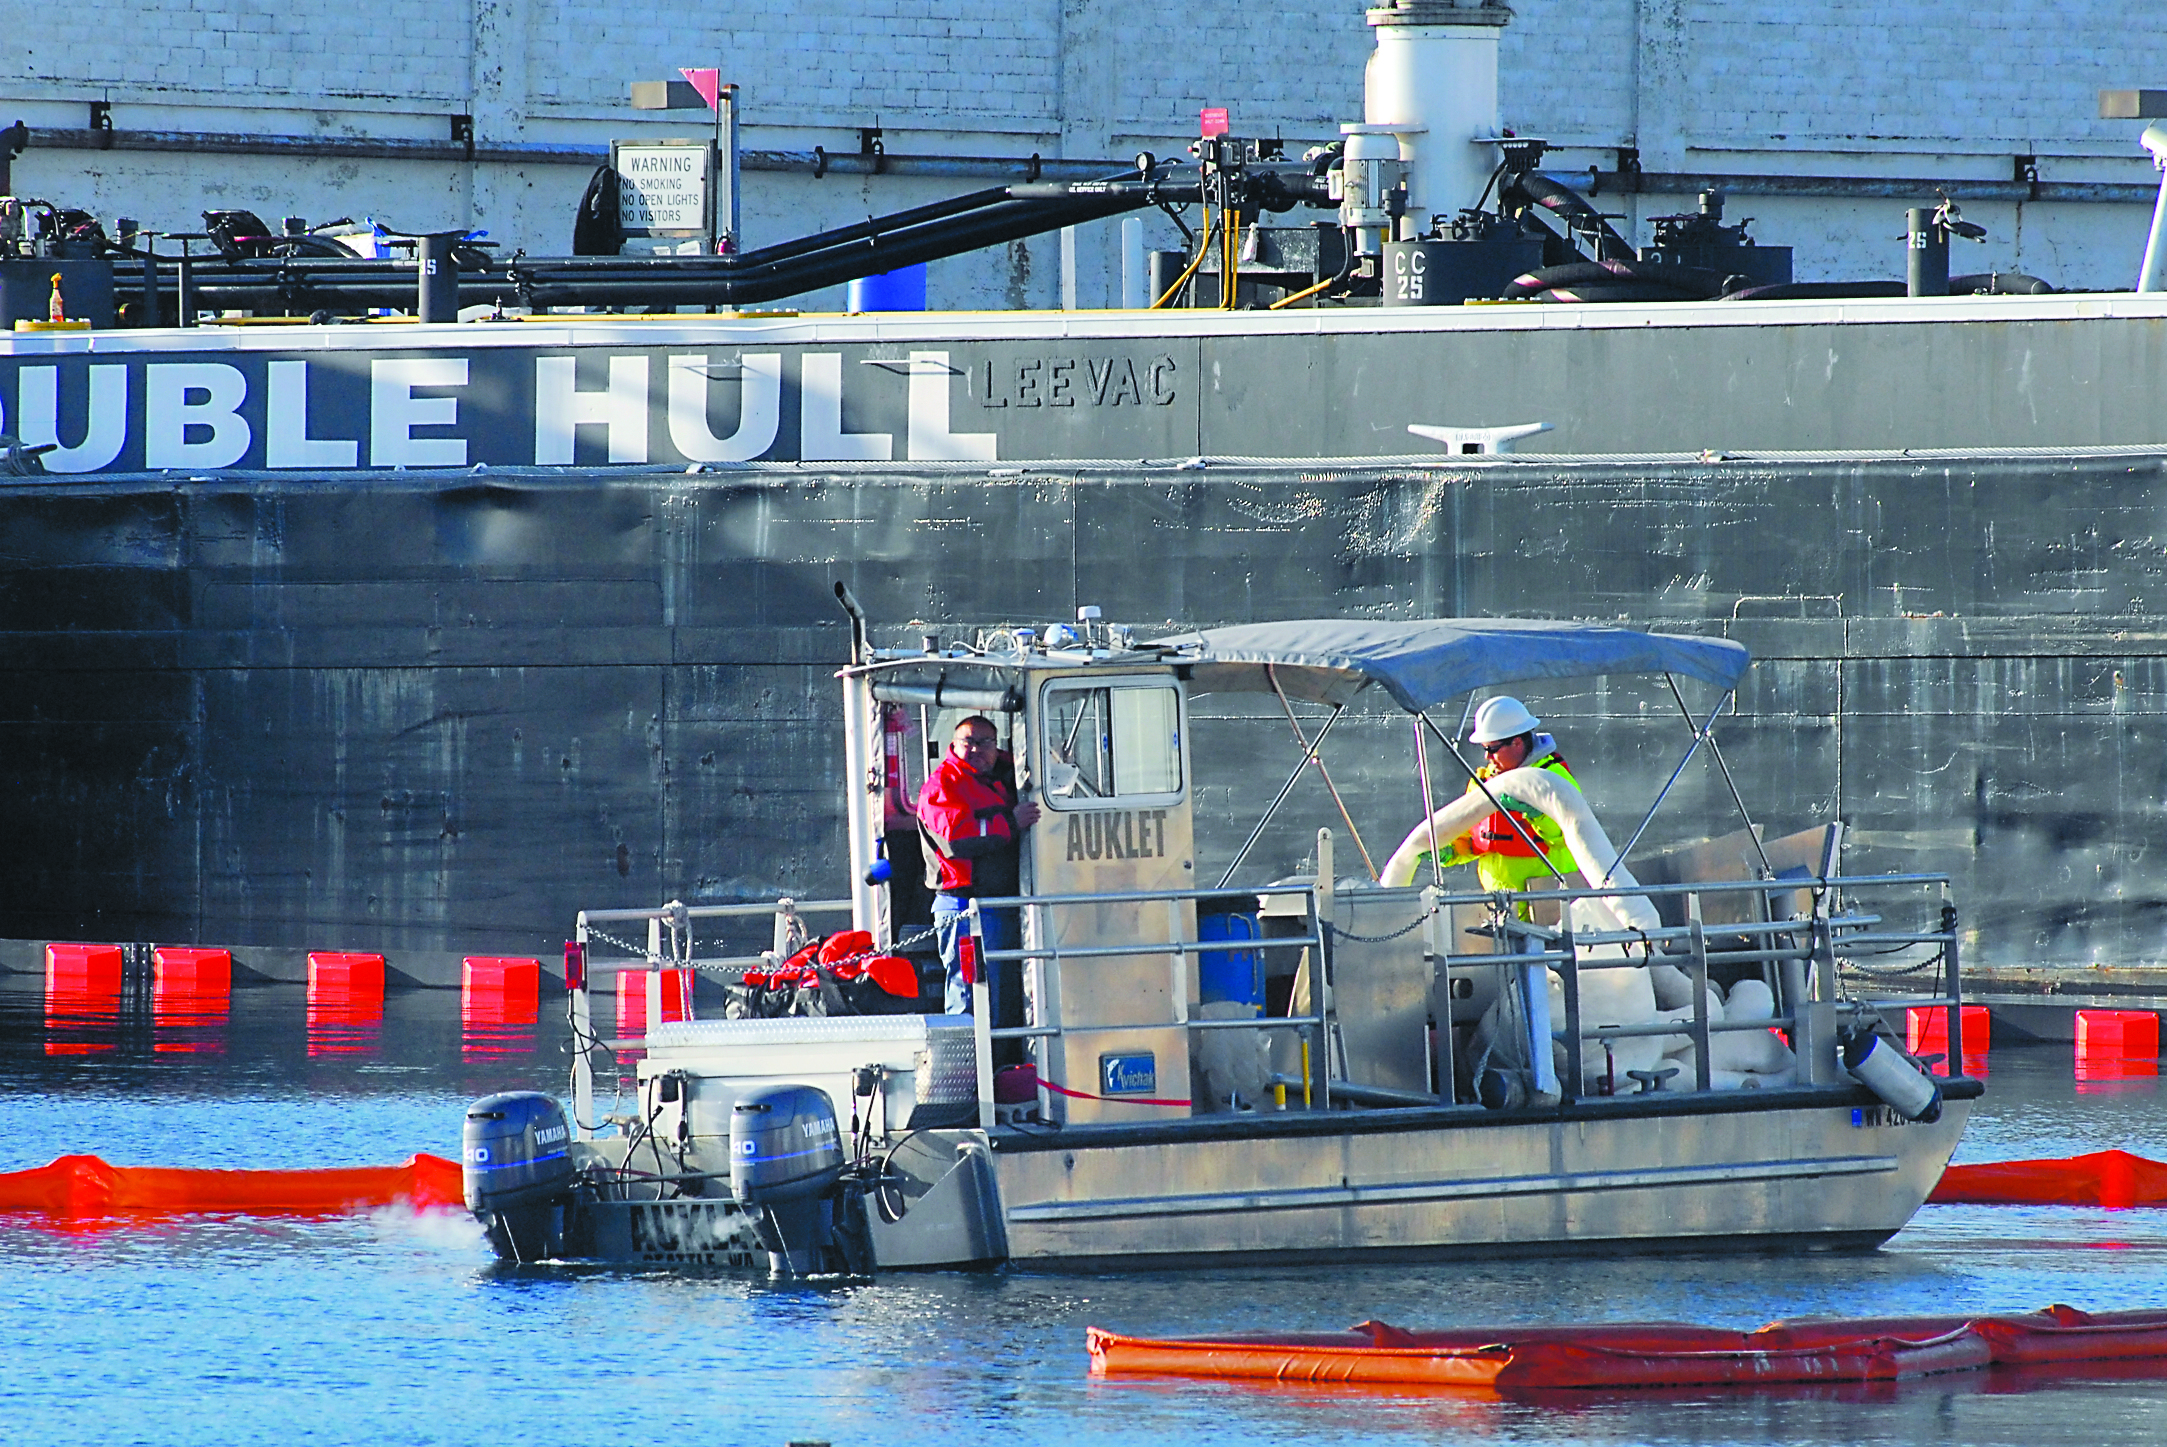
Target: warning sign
(662, 187)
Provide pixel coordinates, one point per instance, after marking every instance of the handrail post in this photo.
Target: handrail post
(655, 988)
(786, 918)
(1535, 992)
(1953, 982)
(1177, 963)
(1326, 911)
(1697, 942)
(865, 778)
(981, 1012)
(1569, 980)
(583, 1040)
(1039, 921)
(1817, 1017)
(1438, 1043)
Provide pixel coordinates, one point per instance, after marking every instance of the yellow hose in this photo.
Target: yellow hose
(1203, 248)
(1230, 268)
(1304, 294)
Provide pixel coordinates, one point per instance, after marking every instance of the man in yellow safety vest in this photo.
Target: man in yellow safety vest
(1509, 736)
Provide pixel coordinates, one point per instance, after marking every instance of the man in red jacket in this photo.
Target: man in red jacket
(974, 823)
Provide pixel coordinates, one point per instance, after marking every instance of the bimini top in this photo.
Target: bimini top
(1421, 664)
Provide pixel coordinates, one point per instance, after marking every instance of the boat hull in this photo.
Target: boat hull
(1825, 1173)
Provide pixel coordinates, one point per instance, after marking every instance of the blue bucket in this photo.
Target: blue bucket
(901, 290)
(1236, 975)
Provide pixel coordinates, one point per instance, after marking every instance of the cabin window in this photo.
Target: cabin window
(1111, 741)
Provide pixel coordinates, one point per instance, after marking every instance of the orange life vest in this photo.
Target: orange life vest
(1495, 833)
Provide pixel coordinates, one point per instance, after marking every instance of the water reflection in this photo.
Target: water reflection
(82, 998)
(2116, 1077)
(395, 1327)
(191, 1000)
(190, 1022)
(344, 1022)
(491, 1028)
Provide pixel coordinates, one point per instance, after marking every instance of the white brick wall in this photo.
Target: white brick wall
(1932, 74)
(307, 49)
(1876, 87)
(816, 62)
(1796, 70)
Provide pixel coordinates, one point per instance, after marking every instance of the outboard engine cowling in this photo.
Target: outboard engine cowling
(786, 1156)
(516, 1165)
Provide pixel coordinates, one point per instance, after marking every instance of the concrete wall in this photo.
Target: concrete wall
(1932, 89)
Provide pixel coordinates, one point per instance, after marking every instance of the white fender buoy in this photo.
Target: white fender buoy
(1611, 997)
(1910, 1091)
(1756, 1052)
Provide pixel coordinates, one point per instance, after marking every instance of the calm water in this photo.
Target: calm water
(399, 1328)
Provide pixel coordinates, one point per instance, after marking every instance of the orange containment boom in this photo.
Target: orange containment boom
(2104, 1178)
(84, 1186)
(1647, 1354)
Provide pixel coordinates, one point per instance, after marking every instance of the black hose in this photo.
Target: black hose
(1542, 278)
(1535, 189)
(1615, 291)
(1818, 290)
(1999, 283)
(1620, 281)
(299, 285)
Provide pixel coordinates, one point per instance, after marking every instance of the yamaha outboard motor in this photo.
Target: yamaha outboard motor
(786, 1157)
(516, 1155)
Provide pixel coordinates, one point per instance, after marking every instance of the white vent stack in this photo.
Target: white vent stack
(2146, 105)
(1432, 82)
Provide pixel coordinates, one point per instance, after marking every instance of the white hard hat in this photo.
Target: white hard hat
(1501, 718)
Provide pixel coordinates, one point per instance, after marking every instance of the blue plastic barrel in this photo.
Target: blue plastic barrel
(1236, 975)
(901, 290)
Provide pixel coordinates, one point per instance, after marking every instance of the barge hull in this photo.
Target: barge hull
(414, 712)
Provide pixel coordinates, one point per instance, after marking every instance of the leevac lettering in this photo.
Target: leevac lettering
(1063, 381)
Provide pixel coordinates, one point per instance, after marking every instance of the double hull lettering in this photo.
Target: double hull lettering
(562, 403)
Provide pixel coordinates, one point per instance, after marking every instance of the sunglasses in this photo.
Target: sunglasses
(1499, 746)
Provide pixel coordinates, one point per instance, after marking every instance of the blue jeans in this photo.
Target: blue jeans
(997, 931)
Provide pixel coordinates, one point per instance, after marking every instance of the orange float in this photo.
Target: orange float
(2103, 1178)
(84, 1186)
(1647, 1354)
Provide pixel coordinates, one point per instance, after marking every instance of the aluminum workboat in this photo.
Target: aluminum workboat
(1690, 1052)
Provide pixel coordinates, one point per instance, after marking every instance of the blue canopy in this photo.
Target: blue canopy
(1424, 663)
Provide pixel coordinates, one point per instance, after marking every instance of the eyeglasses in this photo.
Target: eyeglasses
(978, 741)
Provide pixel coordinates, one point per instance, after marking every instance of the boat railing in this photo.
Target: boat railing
(1800, 956)
(671, 946)
(1807, 951)
(1314, 1079)
(670, 936)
